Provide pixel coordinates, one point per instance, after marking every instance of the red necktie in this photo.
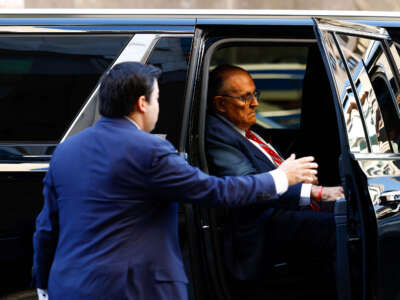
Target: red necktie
(275, 156)
(278, 160)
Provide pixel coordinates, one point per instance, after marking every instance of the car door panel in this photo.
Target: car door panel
(371, 162)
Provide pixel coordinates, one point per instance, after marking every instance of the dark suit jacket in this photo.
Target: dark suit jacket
(108, 228)
(247, 251)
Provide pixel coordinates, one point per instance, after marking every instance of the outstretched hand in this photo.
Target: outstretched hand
(299, 170)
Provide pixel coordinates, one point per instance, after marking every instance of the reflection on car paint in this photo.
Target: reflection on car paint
(385, 196)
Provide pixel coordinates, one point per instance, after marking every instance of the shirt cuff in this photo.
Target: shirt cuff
(305, 195)
(42, 294)
(280, 180)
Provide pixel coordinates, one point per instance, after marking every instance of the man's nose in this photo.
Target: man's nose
(254, 102)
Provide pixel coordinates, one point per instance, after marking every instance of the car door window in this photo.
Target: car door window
(376, 88)
(387, 92)
(44, 81)
(358, 53)
(171, 55)
(353, 120)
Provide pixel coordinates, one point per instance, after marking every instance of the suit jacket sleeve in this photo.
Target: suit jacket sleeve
(173, 179)
(225, 159)
(46, 234)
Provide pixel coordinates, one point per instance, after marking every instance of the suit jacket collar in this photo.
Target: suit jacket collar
(260, 161)
(222, 118)
(120, 122)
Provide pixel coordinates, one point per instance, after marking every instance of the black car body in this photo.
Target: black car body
(329, 89)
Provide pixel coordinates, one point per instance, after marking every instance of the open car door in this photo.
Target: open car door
(362, 63)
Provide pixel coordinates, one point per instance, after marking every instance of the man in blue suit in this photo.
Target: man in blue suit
(258, 238)
(108, 227)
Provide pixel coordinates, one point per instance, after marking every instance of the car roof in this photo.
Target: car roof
(173, 20)
(198, 13)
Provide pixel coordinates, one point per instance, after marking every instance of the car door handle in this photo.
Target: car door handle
(392, 196)
(389, 204)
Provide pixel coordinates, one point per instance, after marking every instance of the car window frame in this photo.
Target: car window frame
(210, 50)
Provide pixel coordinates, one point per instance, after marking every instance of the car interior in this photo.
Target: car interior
(297, 115)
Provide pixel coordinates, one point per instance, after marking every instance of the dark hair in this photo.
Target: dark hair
(122, 86)
(216, 81)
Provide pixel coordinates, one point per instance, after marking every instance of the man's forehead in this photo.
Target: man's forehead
(236, 72)
(234, 77)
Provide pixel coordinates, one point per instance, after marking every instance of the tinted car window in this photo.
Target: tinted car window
(44, 80)
(171, 55)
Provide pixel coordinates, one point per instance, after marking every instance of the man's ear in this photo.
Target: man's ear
(141, 104)
(219, 104)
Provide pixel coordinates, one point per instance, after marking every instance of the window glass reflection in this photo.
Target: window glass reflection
(395, 52)
(390, 108)
(355, 130)
(364, 57)
(387, 93)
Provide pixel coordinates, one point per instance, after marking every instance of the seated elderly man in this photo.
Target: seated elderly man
(258, 237)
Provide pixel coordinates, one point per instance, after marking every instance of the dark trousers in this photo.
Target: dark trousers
(285, 253)
(306, 240)
(303, 234)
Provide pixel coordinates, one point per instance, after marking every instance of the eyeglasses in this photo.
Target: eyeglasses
(246, 98)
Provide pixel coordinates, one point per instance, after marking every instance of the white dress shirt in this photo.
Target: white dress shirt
(42, 294)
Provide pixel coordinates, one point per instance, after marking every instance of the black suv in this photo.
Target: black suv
(329, 88)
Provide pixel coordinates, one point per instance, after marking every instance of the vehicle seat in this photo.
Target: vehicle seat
(319, 124)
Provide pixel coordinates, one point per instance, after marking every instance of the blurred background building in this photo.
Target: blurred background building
(386, 5)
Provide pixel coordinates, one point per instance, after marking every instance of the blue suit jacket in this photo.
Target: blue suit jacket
(246, 236)
(108, 228)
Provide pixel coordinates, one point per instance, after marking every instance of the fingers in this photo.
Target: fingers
(304, 162)
(307, 175)
(310, 173)
(306, 159)
(291, 157)
(299, 170)
(313, 180)
(307, 162)
(307, 179)
(311, 170)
